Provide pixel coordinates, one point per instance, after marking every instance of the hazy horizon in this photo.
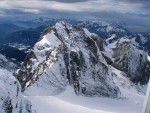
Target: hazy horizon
(135, 13)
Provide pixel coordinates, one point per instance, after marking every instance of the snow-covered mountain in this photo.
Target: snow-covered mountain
(67, 55)
(69, 65)
(11, 98)
(140, 41)
(130, 56)
(104, 29)
(7, 63)
(112, 32)
(21, 40)
(133, 61)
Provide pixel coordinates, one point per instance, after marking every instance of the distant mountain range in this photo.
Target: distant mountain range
(20, 36)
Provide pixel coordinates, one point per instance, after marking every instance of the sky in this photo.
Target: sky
(132, 12)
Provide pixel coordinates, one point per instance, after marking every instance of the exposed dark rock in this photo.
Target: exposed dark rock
(133, 61)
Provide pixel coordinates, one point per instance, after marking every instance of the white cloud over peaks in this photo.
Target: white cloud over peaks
(85, 5)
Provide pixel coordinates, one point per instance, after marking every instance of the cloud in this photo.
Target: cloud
(137, 1)
(144, 3)
(73, 5)
(113, 9)
(31, 10)
(68, 1)
(133, 13)
(2, 13)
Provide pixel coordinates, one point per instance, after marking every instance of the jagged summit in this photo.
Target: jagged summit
(67, 55)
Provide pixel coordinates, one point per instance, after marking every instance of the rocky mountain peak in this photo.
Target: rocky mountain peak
(67, 56)
(130, 59)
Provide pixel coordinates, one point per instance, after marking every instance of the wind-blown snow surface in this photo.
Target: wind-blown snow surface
(68, 102)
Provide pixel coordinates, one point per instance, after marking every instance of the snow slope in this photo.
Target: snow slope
(131, 100)
(68, 102)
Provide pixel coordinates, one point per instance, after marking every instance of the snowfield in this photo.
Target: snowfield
(130, 101)
(70, 103)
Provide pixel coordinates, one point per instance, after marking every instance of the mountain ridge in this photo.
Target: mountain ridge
(70, 42)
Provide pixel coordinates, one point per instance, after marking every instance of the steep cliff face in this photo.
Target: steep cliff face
(133, 61)
(11, 98)
(67, 55)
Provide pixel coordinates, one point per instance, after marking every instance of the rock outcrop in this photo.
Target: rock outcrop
(133, 61)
